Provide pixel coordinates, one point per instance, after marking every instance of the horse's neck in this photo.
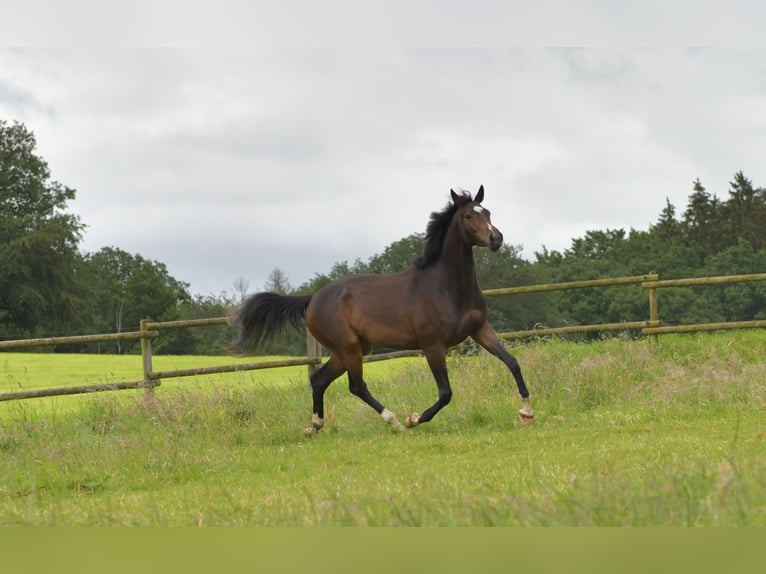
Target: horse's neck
(457, 264)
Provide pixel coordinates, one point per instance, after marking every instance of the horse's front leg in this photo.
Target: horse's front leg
(437, 361)
(488, 339)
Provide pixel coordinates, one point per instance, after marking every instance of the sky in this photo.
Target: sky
(225, 162)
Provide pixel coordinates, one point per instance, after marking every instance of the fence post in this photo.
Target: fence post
(654, 314)
(146, 357)
(313, 351)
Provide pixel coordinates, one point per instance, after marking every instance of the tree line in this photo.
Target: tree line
(713, 236)
(48, 287)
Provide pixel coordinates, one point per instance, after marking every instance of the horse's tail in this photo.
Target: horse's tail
(262, 315)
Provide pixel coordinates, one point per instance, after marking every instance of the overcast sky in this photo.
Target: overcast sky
(227, 163)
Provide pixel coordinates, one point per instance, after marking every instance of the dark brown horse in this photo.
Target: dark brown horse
(432, 306)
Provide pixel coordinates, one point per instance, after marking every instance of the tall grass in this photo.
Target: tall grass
(624, 435)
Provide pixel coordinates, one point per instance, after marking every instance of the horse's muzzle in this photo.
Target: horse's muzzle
(495, 240)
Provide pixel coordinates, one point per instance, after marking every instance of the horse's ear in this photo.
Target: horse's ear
(479, 195)
(454, 195)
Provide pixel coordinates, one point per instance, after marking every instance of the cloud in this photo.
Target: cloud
(19, 99)
(224, 163)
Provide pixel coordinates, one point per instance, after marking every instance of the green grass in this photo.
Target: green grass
(624, 435)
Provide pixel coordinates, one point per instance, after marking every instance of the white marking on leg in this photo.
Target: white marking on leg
(413, 420)
(525, 412)
(316, 424)
(390, 418)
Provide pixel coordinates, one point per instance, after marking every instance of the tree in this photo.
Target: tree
(506, 268)
(398, 256)
(668, 228)
(737, 301)
(339, 270)
(110, 269)
(41, 284)
(701, 226)
(128, 288)
(745, 212)
(153, 294)
(278, 282)
(210, 340)
(241, 286)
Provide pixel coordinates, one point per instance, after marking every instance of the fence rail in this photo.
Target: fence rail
(545, 331)
(721, 280)
(609, 282)
(150, 330)
(655, 329)
(233, 368)
(127, 336)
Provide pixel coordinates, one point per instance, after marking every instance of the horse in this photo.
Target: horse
(433, 305)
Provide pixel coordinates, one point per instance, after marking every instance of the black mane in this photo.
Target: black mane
(436, 232)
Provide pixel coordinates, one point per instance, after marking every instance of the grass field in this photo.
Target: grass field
(624, 435)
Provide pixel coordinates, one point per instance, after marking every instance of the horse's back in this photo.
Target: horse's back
(374, 308)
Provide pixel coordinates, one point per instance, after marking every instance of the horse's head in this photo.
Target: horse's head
(474, 221)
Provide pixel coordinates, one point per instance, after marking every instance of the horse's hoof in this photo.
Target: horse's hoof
(526, 414)
(390, 418)
(316, 424)
(412, 420)
(526, 419)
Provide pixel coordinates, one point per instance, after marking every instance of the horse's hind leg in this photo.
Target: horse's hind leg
(358, 387)
(320, 380)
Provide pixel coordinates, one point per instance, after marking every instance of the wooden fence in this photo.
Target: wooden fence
(651, 327)
(624, 326)
(149, 330)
